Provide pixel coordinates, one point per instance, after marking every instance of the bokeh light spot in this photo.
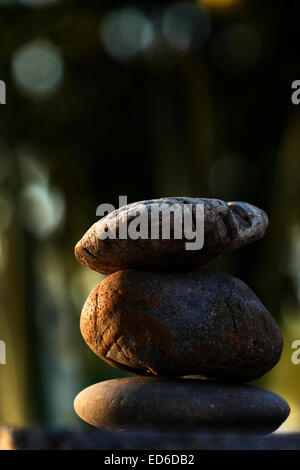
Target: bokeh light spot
(219, 3)
(42, 209)
(125, 33)
(32, 170)
(38, 67)
(186, 26)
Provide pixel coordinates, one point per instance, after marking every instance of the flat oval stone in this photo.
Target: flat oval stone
(187, 404)
(227, 226)
(177, 324)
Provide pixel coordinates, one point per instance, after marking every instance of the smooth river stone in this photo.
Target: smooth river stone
(177, 324)
(199, 405)
(227, 226)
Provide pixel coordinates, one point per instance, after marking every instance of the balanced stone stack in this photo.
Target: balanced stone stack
(162, 316)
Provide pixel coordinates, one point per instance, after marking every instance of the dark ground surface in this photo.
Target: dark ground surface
(37, 439)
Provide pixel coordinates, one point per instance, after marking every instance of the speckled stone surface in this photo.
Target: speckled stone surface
(227, 226)
(152, 403)
(176, 324)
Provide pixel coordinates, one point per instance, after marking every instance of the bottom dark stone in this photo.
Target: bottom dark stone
(186, 404)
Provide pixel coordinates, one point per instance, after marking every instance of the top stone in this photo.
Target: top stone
(147, 245)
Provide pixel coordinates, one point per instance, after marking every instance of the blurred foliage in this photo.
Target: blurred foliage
(145, 100)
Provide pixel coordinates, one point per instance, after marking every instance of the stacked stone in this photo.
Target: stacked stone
(160, 315)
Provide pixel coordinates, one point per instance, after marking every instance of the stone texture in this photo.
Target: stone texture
(227, 226)
(151, 403)
(176, 324)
